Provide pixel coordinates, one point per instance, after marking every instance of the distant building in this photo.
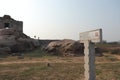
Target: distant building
(7, 22)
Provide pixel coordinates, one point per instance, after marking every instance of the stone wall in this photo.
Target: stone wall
(7, 22)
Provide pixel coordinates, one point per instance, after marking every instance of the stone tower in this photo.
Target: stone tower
(6, 22)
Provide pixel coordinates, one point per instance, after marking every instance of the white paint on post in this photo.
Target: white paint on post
(89, 59)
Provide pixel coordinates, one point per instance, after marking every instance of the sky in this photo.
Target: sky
(65, 19)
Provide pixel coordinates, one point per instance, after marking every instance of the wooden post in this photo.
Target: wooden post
(89, 59)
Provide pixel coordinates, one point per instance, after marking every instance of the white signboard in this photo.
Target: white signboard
(93, 36)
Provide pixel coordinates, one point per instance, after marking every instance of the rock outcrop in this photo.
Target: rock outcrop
(68, 48)
(16, 41)
(65, 47)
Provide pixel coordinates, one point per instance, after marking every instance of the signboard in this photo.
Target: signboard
(89, 38)
(93, 36)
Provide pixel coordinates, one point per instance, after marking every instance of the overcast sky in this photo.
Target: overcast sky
(65, 19)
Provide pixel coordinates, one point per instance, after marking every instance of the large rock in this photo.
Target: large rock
(65, 47)
(16, 41)
(68, 48)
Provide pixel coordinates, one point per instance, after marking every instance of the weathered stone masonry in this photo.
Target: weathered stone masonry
(7, 22)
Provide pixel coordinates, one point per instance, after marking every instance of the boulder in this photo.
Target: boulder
(65, 48)
(68, 47)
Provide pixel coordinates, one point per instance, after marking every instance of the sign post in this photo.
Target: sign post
(89, 38)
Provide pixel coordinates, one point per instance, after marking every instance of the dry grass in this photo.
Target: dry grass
(61, 68)
(56, 71)
(40, 71)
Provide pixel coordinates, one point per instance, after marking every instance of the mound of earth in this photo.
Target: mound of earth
(65, 47)
(15, 41)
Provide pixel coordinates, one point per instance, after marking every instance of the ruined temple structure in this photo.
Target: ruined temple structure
(7, 22)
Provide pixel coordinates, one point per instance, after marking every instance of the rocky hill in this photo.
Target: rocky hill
(12, 41)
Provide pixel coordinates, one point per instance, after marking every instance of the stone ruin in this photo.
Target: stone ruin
(7, 22)
(12, 38)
